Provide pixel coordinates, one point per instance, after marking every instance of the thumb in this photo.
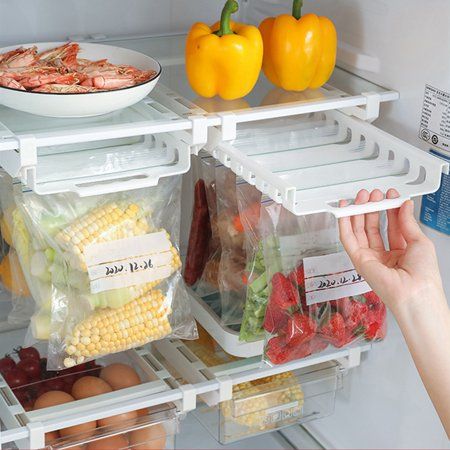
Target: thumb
(407, 222)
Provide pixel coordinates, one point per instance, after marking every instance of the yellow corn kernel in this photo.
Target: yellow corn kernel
(130, 332)
(109, 222)
(251, 400)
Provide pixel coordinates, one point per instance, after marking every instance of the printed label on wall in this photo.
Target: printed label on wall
(435, 118)
(128, 262)
(331, 277)
(435, 210)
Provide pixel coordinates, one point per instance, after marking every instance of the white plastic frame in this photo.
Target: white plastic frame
(422, 176)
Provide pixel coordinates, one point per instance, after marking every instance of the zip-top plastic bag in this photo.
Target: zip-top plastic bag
(14, 284)
(326, 304)
(232, 273)
(255, 277)
(204, 247)
(113, 267)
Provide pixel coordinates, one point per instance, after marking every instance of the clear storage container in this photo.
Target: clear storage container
(274, 402)
(154, 429)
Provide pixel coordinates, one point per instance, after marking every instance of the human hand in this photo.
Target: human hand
(405, 274)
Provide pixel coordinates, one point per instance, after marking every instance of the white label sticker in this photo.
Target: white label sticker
(128, 262)
(282, 413)
(435, 118)
(330, 277)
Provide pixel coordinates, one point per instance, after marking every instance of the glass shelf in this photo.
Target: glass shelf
(342, 85)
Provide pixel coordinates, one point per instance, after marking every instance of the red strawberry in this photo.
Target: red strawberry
(277, 351)
(275, 318)
(284, 294)
(372, 298)
(300, 351)
(376, 325)
(343, 306)
(300, 329)
(297, 276)
(317, 344)
(334, 331)
(356, 315)
(375, 331)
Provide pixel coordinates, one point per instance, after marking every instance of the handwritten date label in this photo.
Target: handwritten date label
(331, 277)
(128, 262)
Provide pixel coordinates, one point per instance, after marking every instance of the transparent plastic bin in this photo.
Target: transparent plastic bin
(271, 403)
(63, 380)
(155, 428)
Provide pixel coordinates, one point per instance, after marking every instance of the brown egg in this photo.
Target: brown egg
(149, 438)
(120, 376)
(119, 419)
(143, 412)
(87, 428)
(52, 398)
(51, 436)
(89, 387)
(110, 443)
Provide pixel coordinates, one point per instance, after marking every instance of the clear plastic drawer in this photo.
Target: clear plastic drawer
(274, 402)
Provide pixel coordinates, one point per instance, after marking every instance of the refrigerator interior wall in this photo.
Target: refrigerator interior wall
(402, 43)
(406, 43)
(25, 21)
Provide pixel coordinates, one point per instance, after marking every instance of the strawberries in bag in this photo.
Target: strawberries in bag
(295, 328)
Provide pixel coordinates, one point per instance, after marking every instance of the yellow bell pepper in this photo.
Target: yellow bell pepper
(12, 276)
(299, 52)
(226, 62)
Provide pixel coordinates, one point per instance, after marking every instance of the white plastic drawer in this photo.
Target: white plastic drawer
(310, 165)
(16, 405)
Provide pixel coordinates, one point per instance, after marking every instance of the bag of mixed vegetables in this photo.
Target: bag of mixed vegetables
(255, 278)
(316, 298)
(232, 268)
(113, 267)
(12, 277)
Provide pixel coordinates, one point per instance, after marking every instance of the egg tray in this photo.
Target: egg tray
(155, 379)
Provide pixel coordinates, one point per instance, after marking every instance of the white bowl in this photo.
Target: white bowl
(89, 104)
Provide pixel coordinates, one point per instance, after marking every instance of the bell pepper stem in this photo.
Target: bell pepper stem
(297, 9)
(231, 6)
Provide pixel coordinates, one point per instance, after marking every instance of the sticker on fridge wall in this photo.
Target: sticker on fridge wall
(330, 277)
(129, 262)
(435, 210)
(435, 118)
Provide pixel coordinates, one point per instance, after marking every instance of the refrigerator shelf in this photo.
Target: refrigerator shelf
(307, 172)
(344, 90)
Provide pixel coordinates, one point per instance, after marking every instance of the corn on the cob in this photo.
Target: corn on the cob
(116, 298)
(113, 330)
(103, 224)
(252, 399)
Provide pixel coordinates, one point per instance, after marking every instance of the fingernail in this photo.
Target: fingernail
(410, 205)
